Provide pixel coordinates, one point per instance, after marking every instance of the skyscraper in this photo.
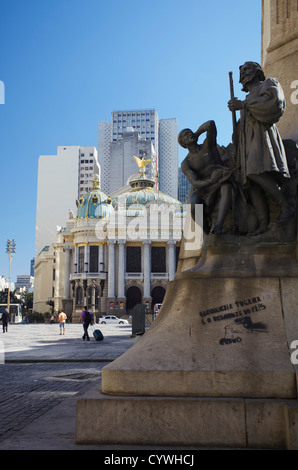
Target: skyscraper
(62, 178)
(183, 187)
(32, 267)
(163, 135)
(121, 163)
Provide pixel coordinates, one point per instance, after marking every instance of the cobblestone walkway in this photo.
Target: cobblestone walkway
(29, 390)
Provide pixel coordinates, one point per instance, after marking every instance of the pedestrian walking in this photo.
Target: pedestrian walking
(52, 320)
(5, 320)
(86, 319)
(26, 319)
(62, 320)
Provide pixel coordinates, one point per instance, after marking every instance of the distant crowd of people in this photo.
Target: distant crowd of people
(86, 319)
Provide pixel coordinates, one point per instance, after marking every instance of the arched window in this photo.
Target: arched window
(158, 294)
(133, 297)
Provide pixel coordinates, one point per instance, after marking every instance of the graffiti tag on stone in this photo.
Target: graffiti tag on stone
(239, 312)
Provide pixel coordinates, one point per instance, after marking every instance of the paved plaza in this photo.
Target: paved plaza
(42, 374)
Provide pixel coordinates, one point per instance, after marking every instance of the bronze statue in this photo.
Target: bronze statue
(211, 180)
(260, 150)
(260, 174)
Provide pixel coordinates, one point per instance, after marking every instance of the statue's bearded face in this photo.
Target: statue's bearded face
(247, 73)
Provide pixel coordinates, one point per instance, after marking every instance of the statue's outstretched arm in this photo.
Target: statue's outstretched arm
(210, 128)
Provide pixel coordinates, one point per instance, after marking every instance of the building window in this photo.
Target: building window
(93, 259)
(133, 259)
(158, 259)
(81, 259)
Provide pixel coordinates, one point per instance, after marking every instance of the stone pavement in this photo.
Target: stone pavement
(42, 342)
(41, 376)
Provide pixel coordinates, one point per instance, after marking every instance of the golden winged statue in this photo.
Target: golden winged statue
(142, 163)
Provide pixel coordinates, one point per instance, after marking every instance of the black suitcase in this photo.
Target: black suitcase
(98, 335)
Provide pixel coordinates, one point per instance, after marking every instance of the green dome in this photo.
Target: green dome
(143, 192)
(95, 204)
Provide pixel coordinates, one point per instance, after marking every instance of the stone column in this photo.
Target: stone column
(146, 268)
(93, 300)
(121, 269)
(111, 269)
(86, 258)
(171, 259)
(67, 250)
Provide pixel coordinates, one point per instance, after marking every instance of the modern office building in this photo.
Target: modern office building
(183, 187)
(162, 133)
(25, 281)
(62, 178)
(32, 267)
(122, 165)
(168, 156)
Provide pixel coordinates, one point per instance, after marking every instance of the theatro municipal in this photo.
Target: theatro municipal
(116, 252)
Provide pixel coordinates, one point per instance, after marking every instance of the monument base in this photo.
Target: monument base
(220, 337)
(200, 422)
(214, 369)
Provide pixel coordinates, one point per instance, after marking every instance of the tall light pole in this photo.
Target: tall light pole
(10, 250)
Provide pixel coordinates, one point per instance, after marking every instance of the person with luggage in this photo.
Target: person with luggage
(5, 320)
(62, 320)
(86, 319)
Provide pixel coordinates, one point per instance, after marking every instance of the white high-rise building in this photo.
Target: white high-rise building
(168, 156)
(4, 284)
(62, 178)
(25, 281)
(162, 133)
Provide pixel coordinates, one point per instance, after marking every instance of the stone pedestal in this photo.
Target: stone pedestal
(214, 369)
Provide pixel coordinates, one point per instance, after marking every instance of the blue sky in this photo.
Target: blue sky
(66, 64)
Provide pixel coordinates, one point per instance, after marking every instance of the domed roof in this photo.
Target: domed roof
(95, 204)
(143, 191)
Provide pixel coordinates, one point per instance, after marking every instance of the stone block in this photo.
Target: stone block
(161, 421)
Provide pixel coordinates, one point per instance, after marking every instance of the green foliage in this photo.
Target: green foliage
(37, 317)
(28, 299)
(3, 297)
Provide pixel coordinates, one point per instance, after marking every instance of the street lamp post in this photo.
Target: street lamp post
(10, 250)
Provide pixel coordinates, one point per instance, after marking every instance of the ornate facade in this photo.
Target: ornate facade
(117, 251)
